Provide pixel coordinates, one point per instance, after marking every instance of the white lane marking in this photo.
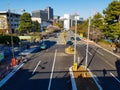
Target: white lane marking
(108, 51)
(4, 80)
(109, 64)
(99, 53)
(95, 79)
(105, 60)
(74, 87)
(90, 53)
(52, 70)
(114, 77)
(36, 67)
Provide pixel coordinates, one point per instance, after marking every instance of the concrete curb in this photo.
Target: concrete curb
(108, 51)
(4, 80)
(74, 87)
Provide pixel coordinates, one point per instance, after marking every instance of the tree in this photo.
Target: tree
(96, 27)
(97, 22)
(82, 27)
(25, 23)
(112, 22)
(36, 26)
(59, 24)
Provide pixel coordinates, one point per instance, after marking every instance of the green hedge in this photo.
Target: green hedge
(7, 39)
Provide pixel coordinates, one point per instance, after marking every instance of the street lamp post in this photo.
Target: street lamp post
(74, 63)
(87, 43)
(75, 39)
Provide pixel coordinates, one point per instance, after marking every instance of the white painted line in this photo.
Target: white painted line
(108, 51)
(52, 70)
(95, 79)
(36, 67)
(99, 53)
(114, 77)
(90, 53)
(4, 80)
(74, 87)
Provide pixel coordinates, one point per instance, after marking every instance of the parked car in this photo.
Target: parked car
(43, 46)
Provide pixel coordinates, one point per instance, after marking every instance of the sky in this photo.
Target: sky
(84, 8)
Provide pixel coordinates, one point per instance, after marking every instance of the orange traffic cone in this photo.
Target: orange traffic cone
(14, 62)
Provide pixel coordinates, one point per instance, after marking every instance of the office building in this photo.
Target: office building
(66, 21)
(45, 15)
(40, 14)
(9, 21)
(70, 20)
(50, 13)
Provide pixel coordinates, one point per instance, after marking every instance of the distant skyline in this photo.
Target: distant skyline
(84, 8)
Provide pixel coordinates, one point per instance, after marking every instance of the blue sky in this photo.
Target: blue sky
(84, 8)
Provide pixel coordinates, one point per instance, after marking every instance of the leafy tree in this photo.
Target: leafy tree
(25, 23)
(36, 26)
(59, 24)
(81, 27)
(97, 22)
(96, 27)
(112, 22)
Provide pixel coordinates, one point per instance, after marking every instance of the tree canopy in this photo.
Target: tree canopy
(36, 26)
(25, 23)
(112, 20)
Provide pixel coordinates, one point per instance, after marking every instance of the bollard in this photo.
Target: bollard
(75, 66)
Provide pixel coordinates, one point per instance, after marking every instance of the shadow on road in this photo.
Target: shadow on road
(25, 80)
(117, 64)
(50, 43)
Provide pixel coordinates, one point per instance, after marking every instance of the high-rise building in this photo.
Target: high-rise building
(45, 15)
(40, 14)
(50, 13)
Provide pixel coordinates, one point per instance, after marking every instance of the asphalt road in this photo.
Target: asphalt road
(104, 65)
(46, 70)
